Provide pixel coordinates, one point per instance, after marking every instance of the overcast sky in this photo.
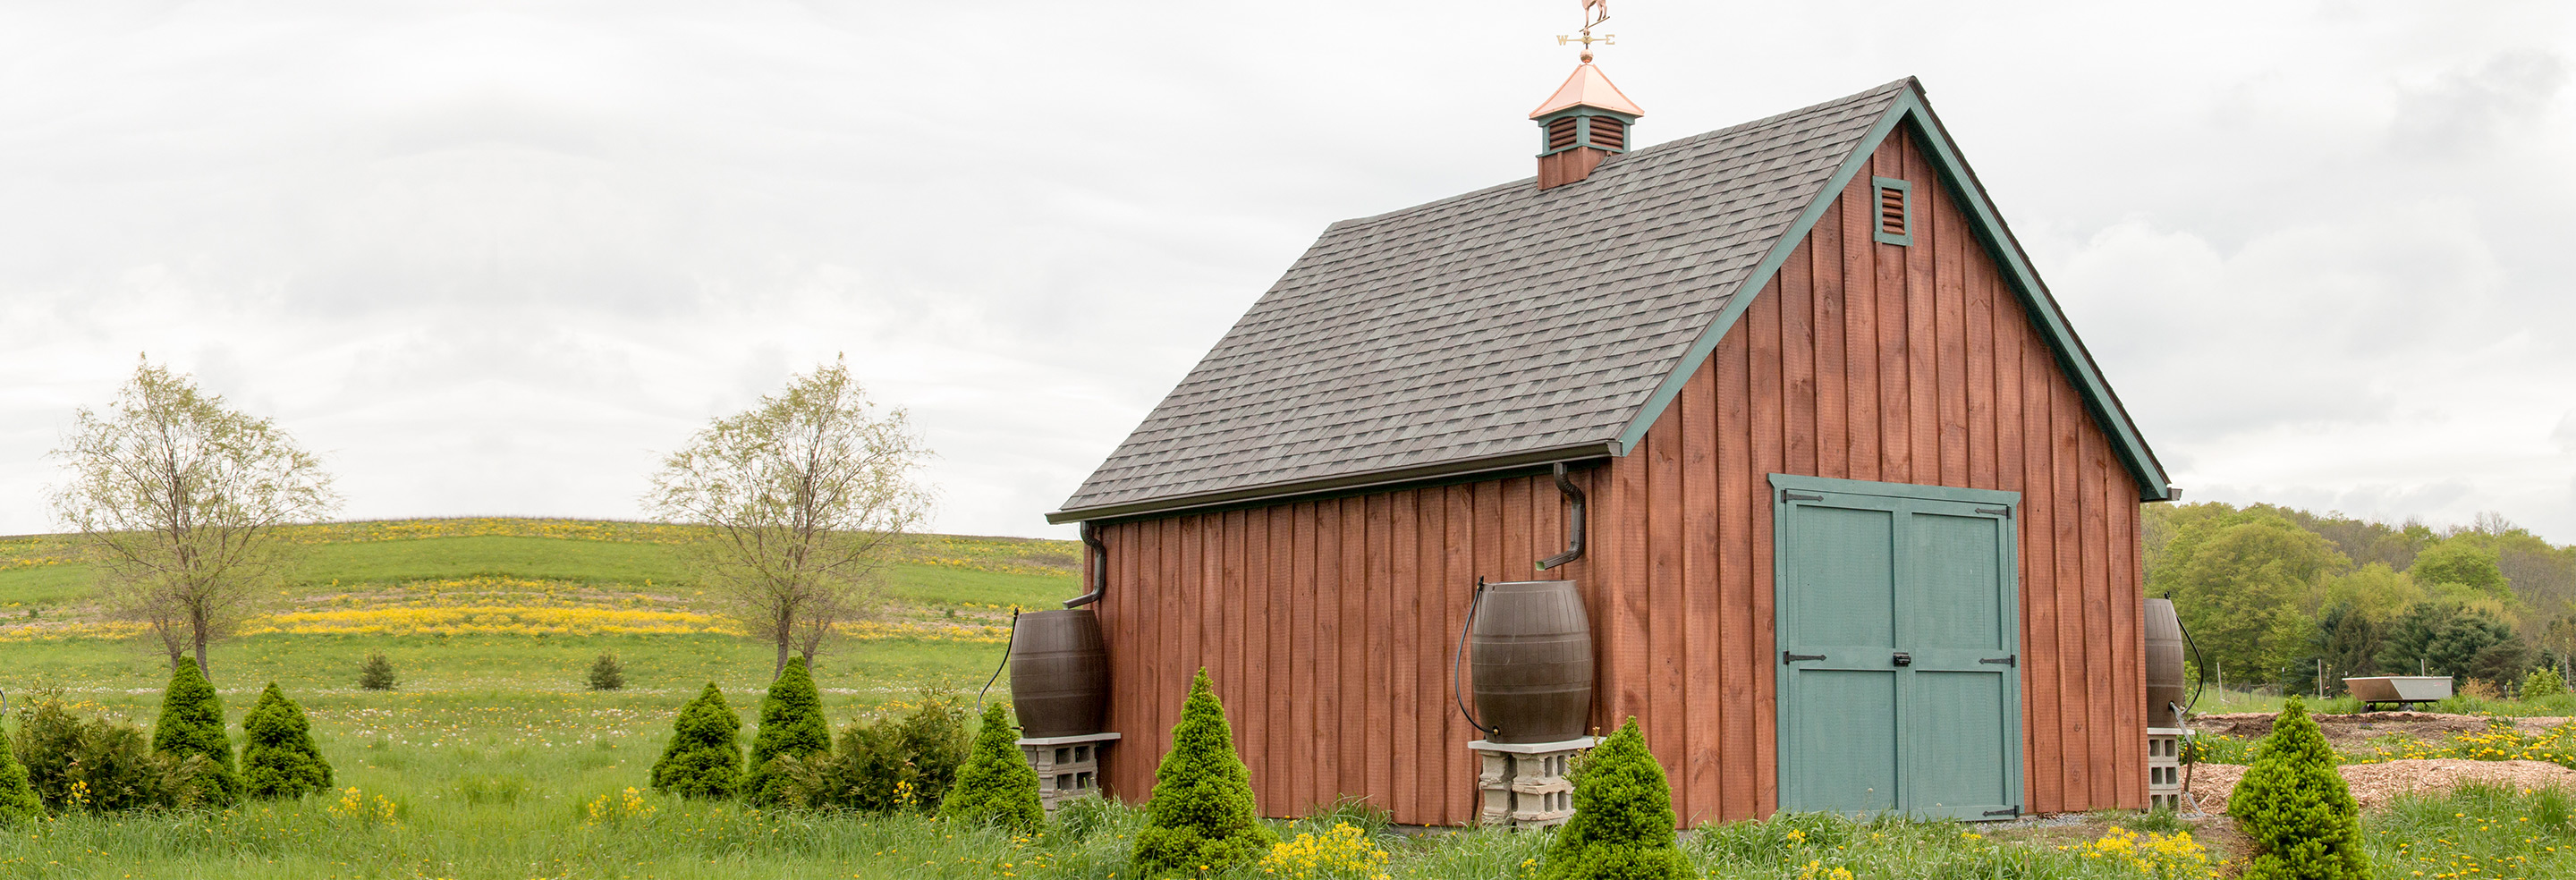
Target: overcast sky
(496, 258)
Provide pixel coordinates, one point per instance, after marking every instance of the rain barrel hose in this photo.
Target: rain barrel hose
(1455, 682)
(2191, 744)
(1013, 639)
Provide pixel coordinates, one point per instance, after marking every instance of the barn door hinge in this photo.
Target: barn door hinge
(2004, 512)
(2013, 661)
(1787, 496)
(2014, 811)
(1786, 657)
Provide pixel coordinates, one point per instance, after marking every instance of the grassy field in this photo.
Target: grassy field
(492, 760)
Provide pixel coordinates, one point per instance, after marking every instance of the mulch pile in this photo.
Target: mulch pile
(2377, 784)
(2350, 731)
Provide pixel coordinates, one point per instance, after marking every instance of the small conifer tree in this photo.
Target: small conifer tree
(1201, 820)
(704, 759)
(377, 673)
(18, 801)
(1622, 827)
(791, 723)
(997, 786)
(2296, 807)
(278, 757)
(192, 723)
(607, 674)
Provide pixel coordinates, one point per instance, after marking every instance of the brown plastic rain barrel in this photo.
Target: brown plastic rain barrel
(1059, 673)
(1531, 654)
(2164, 663)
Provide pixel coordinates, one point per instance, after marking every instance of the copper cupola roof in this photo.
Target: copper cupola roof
(1587, 87)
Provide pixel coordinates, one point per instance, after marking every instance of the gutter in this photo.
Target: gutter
(1343, 483)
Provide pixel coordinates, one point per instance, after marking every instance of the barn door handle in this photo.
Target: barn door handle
(1786, 657)
(1902, 659)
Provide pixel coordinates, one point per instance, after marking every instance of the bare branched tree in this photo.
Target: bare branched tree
(805, 493)
(177, 498)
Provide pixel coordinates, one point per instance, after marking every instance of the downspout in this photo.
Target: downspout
(1099, 568)
(1574, 524)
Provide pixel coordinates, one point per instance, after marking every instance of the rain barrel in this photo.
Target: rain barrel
(2164, 663)
(1059, 673)
(1531, 653)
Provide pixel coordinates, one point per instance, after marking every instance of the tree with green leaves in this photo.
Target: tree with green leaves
(1622, 827)
(704, 759)
(278, 756)
(192, 723)
(2463, 561)
(1201, 821)
(2442, 638)
(18, 801)
(997, 786)
(806, 493)
(791, 723)
(177, 498)
(2296, 807)
(2246, 584)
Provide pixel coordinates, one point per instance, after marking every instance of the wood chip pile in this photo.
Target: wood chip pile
(2377, 784)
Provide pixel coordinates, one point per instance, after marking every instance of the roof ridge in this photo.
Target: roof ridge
(1878, 91)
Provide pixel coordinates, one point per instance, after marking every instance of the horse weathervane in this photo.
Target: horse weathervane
(1594, 13)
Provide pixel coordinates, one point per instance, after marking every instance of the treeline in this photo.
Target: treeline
(2275, 595)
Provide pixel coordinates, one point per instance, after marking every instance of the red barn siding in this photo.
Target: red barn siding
(1327, 625)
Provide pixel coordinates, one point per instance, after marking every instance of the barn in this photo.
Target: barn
(1858, 513)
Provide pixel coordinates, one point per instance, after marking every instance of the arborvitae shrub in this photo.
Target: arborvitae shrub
(377, 673)
(17, 801)
(1623, 817)
(704, 759)
(2297, 808)
(278, 757)
(85, 761)
(192, 723)
(1201, 820)
(791, 723)
(997, 785)
(2543, 682)
(607, 674)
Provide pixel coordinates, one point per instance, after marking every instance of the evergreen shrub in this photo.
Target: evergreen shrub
(192, 723)
(607, 674)
(791, 724)
(18, 801)
(278, 757)
(85, 761)
(1622, 827)
(997, 786)
(704, 759)
(1201, 821)
(2297, 808)
(377, 673)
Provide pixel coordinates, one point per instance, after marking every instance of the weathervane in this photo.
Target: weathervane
(1594, 13)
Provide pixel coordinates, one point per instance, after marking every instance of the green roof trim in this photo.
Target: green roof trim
(1910, 109)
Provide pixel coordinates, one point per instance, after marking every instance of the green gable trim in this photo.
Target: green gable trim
(1800, 483)
(1908, 108)
(1904, 204)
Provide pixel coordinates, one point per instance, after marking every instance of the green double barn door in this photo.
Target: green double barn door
(1899, 637)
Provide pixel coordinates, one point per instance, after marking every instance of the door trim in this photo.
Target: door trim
(1787, 492)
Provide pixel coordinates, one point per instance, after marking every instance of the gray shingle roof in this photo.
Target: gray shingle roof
(1506, 320)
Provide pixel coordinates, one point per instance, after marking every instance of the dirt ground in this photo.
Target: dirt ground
(2377, 784)
(2351, 731)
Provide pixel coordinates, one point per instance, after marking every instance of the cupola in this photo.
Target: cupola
(1584, 123)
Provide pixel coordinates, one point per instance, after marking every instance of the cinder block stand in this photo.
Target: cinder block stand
(1068, 766)
(1524, 784)
(2164, 768)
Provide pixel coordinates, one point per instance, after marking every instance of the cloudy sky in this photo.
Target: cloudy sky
(494, 258)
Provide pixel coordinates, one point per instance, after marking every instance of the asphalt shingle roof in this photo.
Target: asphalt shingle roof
(1506, 320)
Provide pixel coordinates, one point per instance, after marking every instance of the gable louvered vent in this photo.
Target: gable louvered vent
(1895, 211)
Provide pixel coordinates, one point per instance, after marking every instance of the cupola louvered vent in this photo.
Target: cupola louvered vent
(1895, 211)
(1560, 133)
(1608, 133)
